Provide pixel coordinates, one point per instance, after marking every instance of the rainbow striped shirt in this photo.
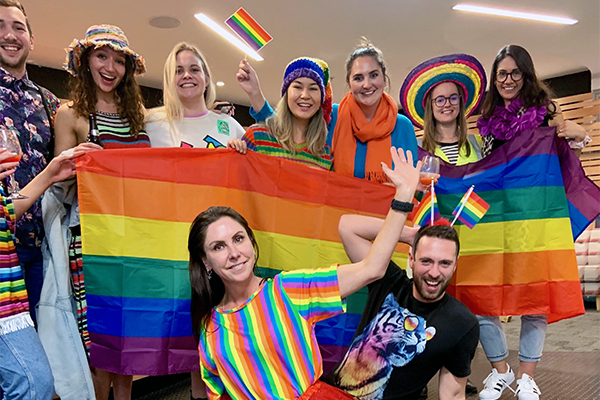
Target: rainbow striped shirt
(266, 348)
(259, 139)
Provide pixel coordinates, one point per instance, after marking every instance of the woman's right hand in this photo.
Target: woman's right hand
(238, 144)
(7, 168)
(247, 79)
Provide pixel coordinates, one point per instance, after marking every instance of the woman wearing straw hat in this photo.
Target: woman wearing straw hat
(298, 130)
(188, 95)
(365, 123)
(103, 83)
(439, 95)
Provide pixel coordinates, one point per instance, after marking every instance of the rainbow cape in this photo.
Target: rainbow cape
(248, 29)
(472, 211)
(422, 215)
(520, 258)
(136, 207)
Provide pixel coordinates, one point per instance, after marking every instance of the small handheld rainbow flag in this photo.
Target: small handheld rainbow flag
(470, 209)
(248, 29)
(427, 207)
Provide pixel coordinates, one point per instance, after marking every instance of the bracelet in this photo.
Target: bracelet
(402, 206)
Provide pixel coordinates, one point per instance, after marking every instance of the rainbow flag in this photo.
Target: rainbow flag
(136, 207)
(422, 215)
(248, 29)
(470, 209)
(520, 258)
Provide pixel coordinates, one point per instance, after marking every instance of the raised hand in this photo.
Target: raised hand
(404, 176)
(247, 78)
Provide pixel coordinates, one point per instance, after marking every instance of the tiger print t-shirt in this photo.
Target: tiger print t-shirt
(401, 343)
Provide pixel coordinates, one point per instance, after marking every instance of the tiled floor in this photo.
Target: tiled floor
(569, 369)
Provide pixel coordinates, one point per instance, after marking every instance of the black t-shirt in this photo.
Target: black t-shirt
(402, 343)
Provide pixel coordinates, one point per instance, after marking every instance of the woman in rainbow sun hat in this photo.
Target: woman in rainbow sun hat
(439, 95)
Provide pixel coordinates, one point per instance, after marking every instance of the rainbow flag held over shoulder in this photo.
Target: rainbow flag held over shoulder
(248, 29)
(422, 215)
(520, 258)
(136, 207)
(470, 209)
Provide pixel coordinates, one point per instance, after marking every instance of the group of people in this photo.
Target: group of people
(364, 136)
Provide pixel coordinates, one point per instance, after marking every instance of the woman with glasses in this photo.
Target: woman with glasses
(517, 101)
(439, 95)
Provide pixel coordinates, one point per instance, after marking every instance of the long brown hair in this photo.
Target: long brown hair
(128, 96)
(430, 124)
(207, 292)
(534, 92)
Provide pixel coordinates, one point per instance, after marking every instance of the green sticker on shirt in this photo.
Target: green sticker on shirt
(223, 127)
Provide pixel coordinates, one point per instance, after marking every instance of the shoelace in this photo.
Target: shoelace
(500, 381)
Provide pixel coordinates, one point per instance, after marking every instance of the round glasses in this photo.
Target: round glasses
(502, 75)
(440, 101)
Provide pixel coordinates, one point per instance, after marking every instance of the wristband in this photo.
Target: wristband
(402, 206)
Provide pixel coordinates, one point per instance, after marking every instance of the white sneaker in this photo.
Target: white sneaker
(495, 383)
(527, 389)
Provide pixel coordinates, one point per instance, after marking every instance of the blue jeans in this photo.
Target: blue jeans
(24, 369)
(531, 340)
(32, 264)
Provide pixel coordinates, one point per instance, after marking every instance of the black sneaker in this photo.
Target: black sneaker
(470, 388)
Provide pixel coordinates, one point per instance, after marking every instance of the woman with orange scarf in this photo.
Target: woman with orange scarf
(363, 126)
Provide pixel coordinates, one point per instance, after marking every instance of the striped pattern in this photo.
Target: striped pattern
(422, 215)
(114, 133)
(451, 151)
(259, 139)
(248, 29)
(280, 359)
(78, 286)
(135, 255)
(474, 209)
(520, 258)
(13, 296)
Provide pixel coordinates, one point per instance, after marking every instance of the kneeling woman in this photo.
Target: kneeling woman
(257, 337)
(298, 129)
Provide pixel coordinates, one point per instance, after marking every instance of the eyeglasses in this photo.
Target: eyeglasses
(440, 101)
(516, 75)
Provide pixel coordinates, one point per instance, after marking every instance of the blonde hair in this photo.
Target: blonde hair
(173, 107)
(281, 126)
(429, 124)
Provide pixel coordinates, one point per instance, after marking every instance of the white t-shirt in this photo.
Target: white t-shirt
(208, 131)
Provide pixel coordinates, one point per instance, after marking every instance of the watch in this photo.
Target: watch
(402, 206)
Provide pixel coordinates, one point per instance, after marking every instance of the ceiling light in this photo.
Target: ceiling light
(514, 14)
(164, 22)
(220, 83)
(232, 39)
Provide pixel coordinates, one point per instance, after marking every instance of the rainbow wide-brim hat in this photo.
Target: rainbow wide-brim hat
(99, 36)
(462, 69)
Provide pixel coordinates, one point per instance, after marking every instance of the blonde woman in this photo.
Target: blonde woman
(185, 120)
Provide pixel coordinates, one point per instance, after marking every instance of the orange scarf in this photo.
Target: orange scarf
(352, 125)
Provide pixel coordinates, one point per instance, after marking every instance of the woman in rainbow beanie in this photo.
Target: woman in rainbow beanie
(298, 130)
(363, 126)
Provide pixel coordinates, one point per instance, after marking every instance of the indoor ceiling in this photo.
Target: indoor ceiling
(408, 32)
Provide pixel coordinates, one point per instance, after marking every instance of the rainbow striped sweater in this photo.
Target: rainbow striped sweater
(266, 348)
(14, 305)
(259, 139)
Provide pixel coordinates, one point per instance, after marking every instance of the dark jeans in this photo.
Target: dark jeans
(32, 265)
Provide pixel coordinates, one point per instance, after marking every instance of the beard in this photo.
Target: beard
(15, 65)
(420, 285)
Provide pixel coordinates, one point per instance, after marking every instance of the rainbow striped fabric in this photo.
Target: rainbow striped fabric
(473, 210)
(136, 206)
(259, 139)
(280, 359)
(520, 258)
(248, 29)
(422, 215)
(13, 296)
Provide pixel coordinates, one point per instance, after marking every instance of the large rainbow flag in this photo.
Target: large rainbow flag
(520, 259)
(136, 207)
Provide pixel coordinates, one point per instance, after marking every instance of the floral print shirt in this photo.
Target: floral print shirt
(22, 110)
